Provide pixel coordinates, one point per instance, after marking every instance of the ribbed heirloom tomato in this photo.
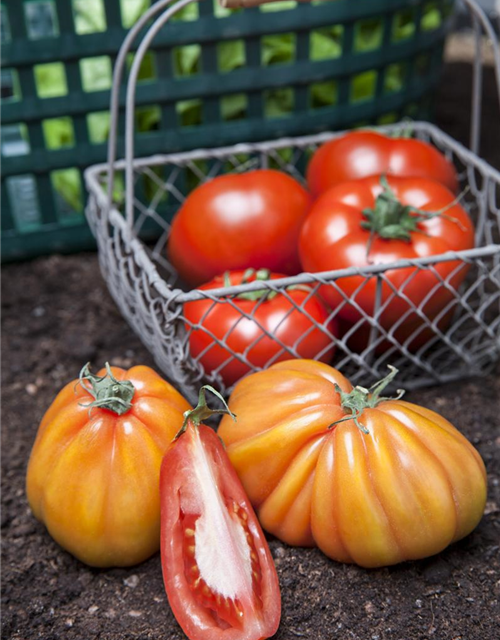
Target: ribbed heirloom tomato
(360, 154)
(218, 571)
(378, 221)
(367, 479)
(94, 469)
(257, 326)
(239, 221)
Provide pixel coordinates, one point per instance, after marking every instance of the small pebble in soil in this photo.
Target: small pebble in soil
(279, 552)
(69, 622)
(135, 614)
(418, 603)
(38, 312)
(369, 607)
(93, 609)
(31, 389)
(132, 581)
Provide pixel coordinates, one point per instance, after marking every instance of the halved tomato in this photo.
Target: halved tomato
(218, 571)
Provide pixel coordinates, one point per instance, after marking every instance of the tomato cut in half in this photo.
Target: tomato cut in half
(218, 571)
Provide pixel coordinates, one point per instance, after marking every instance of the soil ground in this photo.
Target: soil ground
(57, 314)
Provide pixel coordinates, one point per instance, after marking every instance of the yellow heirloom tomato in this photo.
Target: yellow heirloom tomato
(93, 474)
(369, 480)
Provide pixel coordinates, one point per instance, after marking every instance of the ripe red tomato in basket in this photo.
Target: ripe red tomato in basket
(218, 571)
(239, 221)
(374, 221)
(257, 326)
(366, 478)
(366, 153)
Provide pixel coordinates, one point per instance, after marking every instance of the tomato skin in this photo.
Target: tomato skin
(332, 238)
(247, 220)
(278, 316)
(179, 493)
(365, 153)
(359, 497)
(93, 480)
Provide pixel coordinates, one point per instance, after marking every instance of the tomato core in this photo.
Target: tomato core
(227, 610)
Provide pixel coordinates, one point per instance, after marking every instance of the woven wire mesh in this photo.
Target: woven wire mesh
(453, 332)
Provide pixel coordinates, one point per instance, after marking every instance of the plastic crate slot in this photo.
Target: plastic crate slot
(363, 86)
(10, 86)
(285, 5)
(388, 118)
(395, 77)
(68, 193)
(41, 19)
(24, 202)
(368, 35)
(404, 24)
(223, 12)
(234, 107)
(58, 133)
(187, 14)
(98, 126)
(432, 17)
(89, 16)
(50, 80)
(189, 112)
(326, 43)
(187, 60)
(323, 94)
(278, 49)
(148, 118)
(231, 55)
(132, 10)
(15, 140)
(147, 70)
(278, 103)
(96, 73)
(423, 64)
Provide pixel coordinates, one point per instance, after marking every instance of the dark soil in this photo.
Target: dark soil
(57, 315)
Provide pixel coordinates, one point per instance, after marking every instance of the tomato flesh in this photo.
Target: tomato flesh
(218, 571)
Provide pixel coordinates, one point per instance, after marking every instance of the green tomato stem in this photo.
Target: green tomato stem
(109, 393)
(359, 399)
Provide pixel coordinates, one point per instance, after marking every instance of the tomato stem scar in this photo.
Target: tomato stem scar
(109, 393)
(360, 399)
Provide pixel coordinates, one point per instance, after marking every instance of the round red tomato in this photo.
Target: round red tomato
(239, 221)
(218, 571)
(360, 223)
(262, 327)
(365, 153)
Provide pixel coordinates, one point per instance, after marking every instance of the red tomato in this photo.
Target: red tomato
(335, 236)
(239, 221)
(218, 571)
(365, 153)
(257, 326)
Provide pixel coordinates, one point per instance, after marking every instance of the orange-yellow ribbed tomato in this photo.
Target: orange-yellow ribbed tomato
(405, 490)
(93, 476)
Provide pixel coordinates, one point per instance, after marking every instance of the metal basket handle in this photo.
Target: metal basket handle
(480, 22)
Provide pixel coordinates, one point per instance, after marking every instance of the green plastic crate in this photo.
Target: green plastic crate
(214, 77)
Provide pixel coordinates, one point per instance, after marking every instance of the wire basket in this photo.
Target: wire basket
(463, 339)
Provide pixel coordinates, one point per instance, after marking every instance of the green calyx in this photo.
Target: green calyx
(259, 275)
(109, 393)
(202, 411)
(391, 220)
(360, 399)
